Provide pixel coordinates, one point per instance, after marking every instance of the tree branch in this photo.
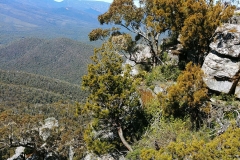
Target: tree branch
(125, 143)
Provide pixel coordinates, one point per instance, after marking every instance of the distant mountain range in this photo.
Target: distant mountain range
(48, 18)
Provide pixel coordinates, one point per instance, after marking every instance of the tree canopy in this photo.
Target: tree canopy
(192, 21)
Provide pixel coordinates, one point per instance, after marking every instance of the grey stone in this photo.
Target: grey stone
(45, 130)
(236, 18)
(134, 69)
(220, 73)
(173, 57)
(142, 54)
(158, 89)
(91, 156)
(222, 65)
(18, 152)
(227, 40)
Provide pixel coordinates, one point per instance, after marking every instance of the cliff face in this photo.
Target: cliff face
(222, 64)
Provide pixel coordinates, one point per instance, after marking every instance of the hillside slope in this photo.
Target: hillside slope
(20, 87)
(60, 58)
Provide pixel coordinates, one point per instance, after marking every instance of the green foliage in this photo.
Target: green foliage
(194, 21)
(237, 14)
(113, 101)
(225, 146)
(195, 25)
(94, 143)
(164, 131)
(17, 87)
(188, 97)
(228, 99)
(162, 74)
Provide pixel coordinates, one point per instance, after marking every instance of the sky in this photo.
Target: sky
(109, 1)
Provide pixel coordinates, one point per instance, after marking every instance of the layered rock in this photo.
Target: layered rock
(222, 64)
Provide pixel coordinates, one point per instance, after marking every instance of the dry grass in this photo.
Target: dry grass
(147, 96)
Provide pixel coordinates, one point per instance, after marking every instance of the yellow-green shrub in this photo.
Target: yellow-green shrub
(225, 146)
(188, 97)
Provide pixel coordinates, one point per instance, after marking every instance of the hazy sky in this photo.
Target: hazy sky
(109, 1)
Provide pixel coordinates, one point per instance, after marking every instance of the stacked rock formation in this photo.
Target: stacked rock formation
(222, 65)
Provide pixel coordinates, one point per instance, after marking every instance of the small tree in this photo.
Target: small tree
(188, 97)
(139, 21)
(113, 102)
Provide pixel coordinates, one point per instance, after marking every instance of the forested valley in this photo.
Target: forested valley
(140, 95)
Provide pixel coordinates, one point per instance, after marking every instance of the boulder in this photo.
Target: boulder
(220, 73)
(158, 89)
(45, 130)
(222, 65)
(18, 153)
(227, 40)
(91, 156)
(142, 54)
(236, 18)
(134, 70)
(173, 57)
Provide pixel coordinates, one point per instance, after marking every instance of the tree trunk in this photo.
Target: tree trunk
(125, 143)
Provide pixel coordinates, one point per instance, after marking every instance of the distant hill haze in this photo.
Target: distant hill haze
(60, 58)
(47, 18)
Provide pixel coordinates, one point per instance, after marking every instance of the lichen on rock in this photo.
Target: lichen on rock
(222, 64)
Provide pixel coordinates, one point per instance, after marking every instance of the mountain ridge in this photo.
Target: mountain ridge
(73, 19)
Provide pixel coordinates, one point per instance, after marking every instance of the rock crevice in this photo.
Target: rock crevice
(222, 65)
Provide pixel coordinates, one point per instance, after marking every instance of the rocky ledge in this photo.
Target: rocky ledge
(222, 65)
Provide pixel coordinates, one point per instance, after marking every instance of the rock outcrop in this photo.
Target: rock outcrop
(91, 156)
(222, 64)
(236, 18)
(142, 54)
(45, 130)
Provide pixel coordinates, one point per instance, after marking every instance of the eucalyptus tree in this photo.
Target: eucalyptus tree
(192, 21)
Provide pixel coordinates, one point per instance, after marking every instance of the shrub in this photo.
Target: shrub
(188, 97)
(225, 146)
